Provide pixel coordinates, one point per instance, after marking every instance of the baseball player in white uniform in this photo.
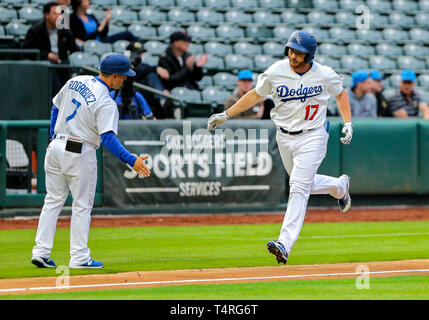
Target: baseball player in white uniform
(83, 115)
(300, 88)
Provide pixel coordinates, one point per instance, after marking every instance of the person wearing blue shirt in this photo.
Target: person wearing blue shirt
(138, 107)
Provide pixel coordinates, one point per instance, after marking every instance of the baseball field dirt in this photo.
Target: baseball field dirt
(224, 275)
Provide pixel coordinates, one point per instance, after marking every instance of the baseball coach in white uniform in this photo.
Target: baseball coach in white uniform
(300, 88)
(83, 116)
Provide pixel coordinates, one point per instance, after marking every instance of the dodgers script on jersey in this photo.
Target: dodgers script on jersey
(301, 102)
(97, 113)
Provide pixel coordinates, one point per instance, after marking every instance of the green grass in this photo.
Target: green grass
(167, 248)
(403, 287)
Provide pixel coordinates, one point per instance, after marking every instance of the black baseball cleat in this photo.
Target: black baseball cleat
(277, 249)
(345, 202)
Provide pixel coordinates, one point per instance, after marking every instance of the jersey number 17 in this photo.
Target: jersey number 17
(311, 109)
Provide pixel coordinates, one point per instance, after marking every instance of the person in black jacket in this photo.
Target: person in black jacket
(54, 44)
(86, 26)
(183, 68)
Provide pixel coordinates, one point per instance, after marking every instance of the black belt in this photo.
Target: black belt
(293, 132)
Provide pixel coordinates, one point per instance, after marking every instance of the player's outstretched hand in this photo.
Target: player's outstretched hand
(216, 120)
(140, 167)
(348, 131)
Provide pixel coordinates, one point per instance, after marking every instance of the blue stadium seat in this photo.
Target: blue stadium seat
(141, 31)
(185, 94)
(380, 5)
(30, 14)
(423, 80)
(108, 3)
(150, 59)
(258, 32)
(378, 20)
(425, 94)
(180, 14)
(236, 15)
(16, 28)
(328, 61)
(273, 48)
(395, 34)
(332, 49)
(217, 3)
(224, 79)
(214, 63)
(115, 28)
(237, 62)
(97, 47)
(381, 63)
(196, 48)
(123, 14)
(320, 17)
(165, 30)
(120, 46)
(161, 3)
(263, 62)
(405, 5)
(246, 48)
(299, 4)
(282, 32)
(360, 49)
(272, 3)
(353, 62)
(341, 33)
(419, 34)
(292, 17)
(385, 49)
(155, 47)
(320, 34)
(98, 13)
(394, 80)
(346, 17)
(40, 1)
(347, 80)
(206, 81)
(15, 2)
(422, 18)
(424, 5)
(325, 4)
(7, 15)
(215, 95)
(369, 35)
(409, 62)
(401, 19)
(217, 48)
(351, 4)
(151, 14)
(198, 30)
(80, 59)
(2, 32)
(245, 4)
(209, 15)
(267, 17)
(413, 49)
(229, 31)
(133, 3)
(190, 3)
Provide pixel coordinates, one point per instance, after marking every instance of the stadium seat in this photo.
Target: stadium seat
(351, 4)
(419, 34)
(328, 61)
(155, 47)
(165, 30)
(7, 15)
(142, 31)
(273, 48)
(266, 17)
(97, 47)
(332, 49)
(2, 32)
(378, 20)
(206, 81)
(217, 48)
(40, 1)
(15, 2)
(229, 31)
(291, 16)
(347, 80)
(379, 5)
(179, 14)
(151, 14)
(209, 15)
(346, 17)
(120, 46)
(341, 33)
(409, 62)
(236, 62)
(98, 13)
(412, 49)
(259, 32)
(161, 3)
(320, 17)
(123, 14)
(325, 4)
(299, 4)
(422, 18)
(369, 35)
(401, 19)
(394, 80)
(214, 94)
(353, 62)
(224, 79)
(236, 15)
(385, 49)
(150, 59)
(115, 28)
(214, 63)
(282, 32)
(405, 5)
(109, 3)
(360, 49)
(196, 48)
(217, 3)
(80, 59)
(320, 34)
(423, 80)
(133, 3)
(424, 5)
(185, 94)
(16, 28)
(395, 34)
(245, 4)
(272, 3)
(246, 48)
(381, 62)
(30, 14)
(198, 30)
(190, 3)
(425, 94)
(263, 62)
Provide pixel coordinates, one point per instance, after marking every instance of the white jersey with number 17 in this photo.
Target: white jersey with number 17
(301, 101)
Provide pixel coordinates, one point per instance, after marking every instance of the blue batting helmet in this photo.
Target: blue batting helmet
(302, 41)
(116, 63)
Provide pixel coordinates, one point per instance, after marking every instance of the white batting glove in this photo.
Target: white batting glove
(216, 120)
(348, 131)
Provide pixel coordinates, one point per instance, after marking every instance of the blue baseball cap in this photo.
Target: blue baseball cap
(359, 76)
(245, 74)
(375, 75)
(408, 75)
(116, 63)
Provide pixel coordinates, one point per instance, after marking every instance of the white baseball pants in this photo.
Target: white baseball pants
(302, 155)
(66, 171)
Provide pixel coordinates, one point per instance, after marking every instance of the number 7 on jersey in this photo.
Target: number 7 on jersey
(77, 103)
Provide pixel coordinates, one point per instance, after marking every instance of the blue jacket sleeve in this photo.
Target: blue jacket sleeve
(54, 116)
(143, 104)
(112, 143)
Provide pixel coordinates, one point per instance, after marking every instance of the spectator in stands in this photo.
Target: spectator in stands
(131, 104)
(86, 26)
(54, 44)
(407, 102)
(184, 70)
(377, 91)
(362, 102)
(244, 85)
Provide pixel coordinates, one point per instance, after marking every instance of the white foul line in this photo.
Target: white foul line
(124, 284)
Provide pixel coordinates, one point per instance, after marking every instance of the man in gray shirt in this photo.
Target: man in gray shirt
(363, 103)
(406, 102)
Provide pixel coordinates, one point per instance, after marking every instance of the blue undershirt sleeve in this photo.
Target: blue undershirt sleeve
(54, 116)
(112, 143)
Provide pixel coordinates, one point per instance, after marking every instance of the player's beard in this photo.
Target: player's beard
(297, 65)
